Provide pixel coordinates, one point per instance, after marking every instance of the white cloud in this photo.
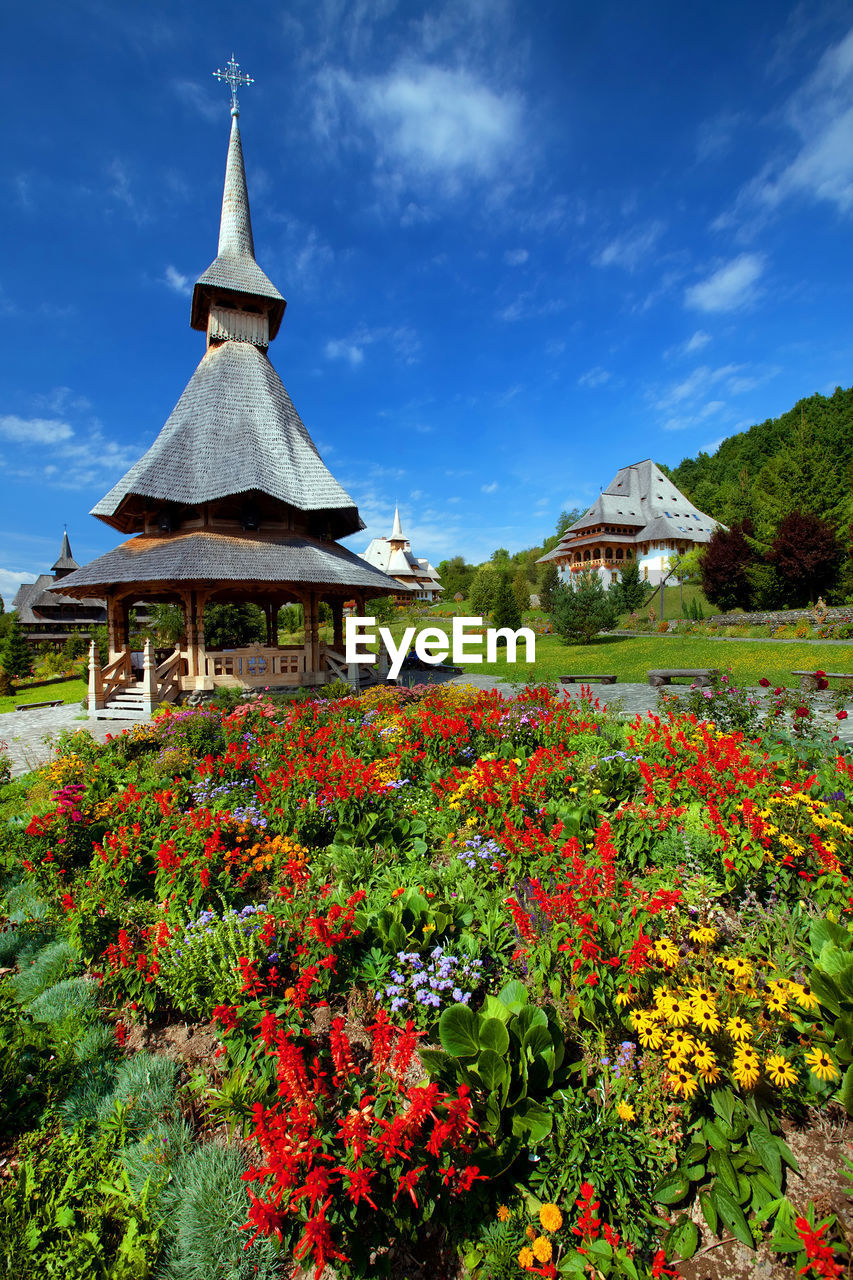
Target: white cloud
(199, 99)
(699, 340)
(10, 580)
(715, 136)
(33, 430)
(177, 280)
(714, 445)
(489, 488)
(525, 307)
(632, 249)
(595, 377)
(404, 343)
(515, 257)
(430, 121)
(731, 286)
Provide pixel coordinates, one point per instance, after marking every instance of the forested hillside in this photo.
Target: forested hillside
(801, 461)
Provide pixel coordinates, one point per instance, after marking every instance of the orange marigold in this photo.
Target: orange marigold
(550, 1217)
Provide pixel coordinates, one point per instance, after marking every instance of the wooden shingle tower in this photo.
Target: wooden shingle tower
(232, 501)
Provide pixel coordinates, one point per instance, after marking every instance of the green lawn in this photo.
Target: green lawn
(73, 691)
(631, 657)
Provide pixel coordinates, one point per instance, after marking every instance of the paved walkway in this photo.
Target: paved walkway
(29, 736)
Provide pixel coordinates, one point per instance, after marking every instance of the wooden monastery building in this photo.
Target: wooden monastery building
(46, 616)
(232, 501)
(393, 555)
(639, 516)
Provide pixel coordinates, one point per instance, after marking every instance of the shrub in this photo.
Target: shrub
(54, 962)
(583, 609)
(6, 686)
(72, 998)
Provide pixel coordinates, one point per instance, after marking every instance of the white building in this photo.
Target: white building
(639, 516)
(393, 556)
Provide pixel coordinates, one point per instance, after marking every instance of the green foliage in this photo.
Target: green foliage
(549, 580)
(482, 591)
(70, 1000)
(67, 1214)
(456, 576)
(231, 626)
(55, 961)
(634, 590)
(17, 654)
(505, 610)
(521, 589)
(510, 1055)
(582, 609)
(204, 1207)
(75, 647)
(6, 686)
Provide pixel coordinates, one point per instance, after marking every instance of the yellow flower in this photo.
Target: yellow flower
(542, 1249)
(683, 1083)
(550, 1217)
(780, 1070)
(703, 934)
(706, 1019)
(738, 1028)
(745, 1066)
(530, 1232)
(625, 1112)
(525, 1257)
(703, 1056)
(803, 995)
(503, 1213)
(667, 952)
(821, 1065)
(625, 997)
(650, 1037)
(679, 1012)
(683, 1041)
(674, 1058)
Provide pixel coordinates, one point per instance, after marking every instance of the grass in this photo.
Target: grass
(631, 657)
(73, 691)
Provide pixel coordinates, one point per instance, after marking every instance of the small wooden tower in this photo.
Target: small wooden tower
(232, 501)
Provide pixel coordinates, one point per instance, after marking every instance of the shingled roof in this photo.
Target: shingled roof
(234, 268)
(66, 560)
(234, 430)
(209, 557)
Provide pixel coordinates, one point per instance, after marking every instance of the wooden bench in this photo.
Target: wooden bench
(587, 679)
(703, 676)
(34, 706)
(809, 679)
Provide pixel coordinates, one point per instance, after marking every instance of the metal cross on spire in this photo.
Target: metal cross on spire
(236, 79)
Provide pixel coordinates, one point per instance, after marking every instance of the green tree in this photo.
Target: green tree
(17, 655)
(231, 626)
(521, 589)
(456, 576)
(549, 580)
(505, 610)
(582, 609)
(482, 592)
(634, 590)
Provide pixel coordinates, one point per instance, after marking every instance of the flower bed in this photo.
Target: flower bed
(525, 984)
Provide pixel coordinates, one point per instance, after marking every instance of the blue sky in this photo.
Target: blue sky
(523, 242)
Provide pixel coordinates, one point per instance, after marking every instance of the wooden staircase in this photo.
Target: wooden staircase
(125, 703)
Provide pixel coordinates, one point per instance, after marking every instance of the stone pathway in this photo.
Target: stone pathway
(29, 736)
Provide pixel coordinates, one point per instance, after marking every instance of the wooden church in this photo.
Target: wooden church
(232, 502)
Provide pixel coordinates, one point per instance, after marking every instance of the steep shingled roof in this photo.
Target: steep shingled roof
(206, 556)
(234, 268)
(66, 559)
(234, 430)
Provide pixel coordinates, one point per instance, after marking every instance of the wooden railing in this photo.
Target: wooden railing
(168, 677)
(116, 674)
(256, 666)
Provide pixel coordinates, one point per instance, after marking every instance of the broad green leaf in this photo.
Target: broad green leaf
(709, 1210)
(845, 1091)
(495, 1008)
(764, 1145)
(532, 1120)
(822, 932)
(493, 1034)
(672, 1188)
(492, 1068)
(714, 1134)
(684, 1238)
(723, 1103)
(513, 995)
(434, 1061)
(537, 1039)
(457, 1031)
(732, 1214)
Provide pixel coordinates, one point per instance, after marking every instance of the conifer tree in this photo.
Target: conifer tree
(521, 591)
(583, 609)
(17, 656)
(505, 610)
(634, 590)
(549, 582)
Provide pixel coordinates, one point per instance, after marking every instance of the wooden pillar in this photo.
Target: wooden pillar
(188, 601)
(338, 624)
(149, 678)
(96, 681)
(200, 603)
(271, 612)
(115, 627)
(312, 632)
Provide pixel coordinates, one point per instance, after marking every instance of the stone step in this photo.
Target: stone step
(119, 713)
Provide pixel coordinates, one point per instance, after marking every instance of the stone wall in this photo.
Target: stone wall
(780, 617)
